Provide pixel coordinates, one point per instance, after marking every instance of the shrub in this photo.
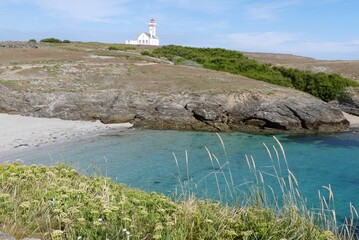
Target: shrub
(146, 53)
(51, 40)
(32, 41)
(66, 41)
(120, 48)
(191, 63)
(322, 85)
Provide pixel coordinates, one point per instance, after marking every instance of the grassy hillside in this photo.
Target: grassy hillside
(325, 86)
(58, 203)
(79, 67)
(347, 68)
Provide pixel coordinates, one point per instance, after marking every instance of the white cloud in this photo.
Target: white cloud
(329, 47)
(211, 6)
(267, 41)
(268, 11)
(89, 10)
(277, 42)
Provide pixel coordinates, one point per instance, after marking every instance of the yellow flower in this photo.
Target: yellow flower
(57, 233)
(25, 204)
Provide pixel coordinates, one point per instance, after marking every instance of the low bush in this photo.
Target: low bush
(145, 53)
(66, 41)
(121, 48)
(322, 85)
(51, 40)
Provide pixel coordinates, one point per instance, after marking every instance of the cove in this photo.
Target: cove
(144, 159)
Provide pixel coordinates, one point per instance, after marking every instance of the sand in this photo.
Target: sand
(354, 120)
(20, 132)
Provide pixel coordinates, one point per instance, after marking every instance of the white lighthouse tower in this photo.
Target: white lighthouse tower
(149, 38)
(152, 28)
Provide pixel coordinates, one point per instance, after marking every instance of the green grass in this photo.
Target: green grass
(15, 84)
(59, 203)
(120, 47)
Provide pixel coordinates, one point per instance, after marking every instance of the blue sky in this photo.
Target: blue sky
(323, 29)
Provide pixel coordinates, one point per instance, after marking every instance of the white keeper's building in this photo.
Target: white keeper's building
(147, 38)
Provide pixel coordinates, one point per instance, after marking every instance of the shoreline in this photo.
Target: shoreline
(20, 133)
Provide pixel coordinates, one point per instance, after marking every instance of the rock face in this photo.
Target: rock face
(247, 111)
(349, 103)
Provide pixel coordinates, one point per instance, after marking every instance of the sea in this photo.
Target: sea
(218, 166)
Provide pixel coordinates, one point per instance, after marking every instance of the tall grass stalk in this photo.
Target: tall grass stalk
(288, 204)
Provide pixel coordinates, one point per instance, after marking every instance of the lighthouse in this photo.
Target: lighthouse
(152, 28)
(149, 38)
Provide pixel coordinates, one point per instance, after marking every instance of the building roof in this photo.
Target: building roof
(149, 35)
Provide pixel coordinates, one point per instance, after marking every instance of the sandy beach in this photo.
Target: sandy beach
(20, 132)
(354, 120)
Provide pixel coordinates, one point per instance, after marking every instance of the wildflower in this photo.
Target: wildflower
(25, 204)
(57, 233)
(157, 236)
(64, 196)
(107, 210)
(170, 223)
(128, 234)
(56, 210)
(231, 232)
(114, 208)
(66, 220)
(94, 212)
(144, 212)
(208, 220)
(97, 223)
(161, 210)
(158, 227)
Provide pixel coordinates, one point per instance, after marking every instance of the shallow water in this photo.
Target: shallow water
(144, 159)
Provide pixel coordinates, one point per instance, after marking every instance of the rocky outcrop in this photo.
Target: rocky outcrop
(11, 44)
(248, 111)
(349, 101)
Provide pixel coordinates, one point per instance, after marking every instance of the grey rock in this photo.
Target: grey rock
(187, 111)
(4, 236)
(349, 101)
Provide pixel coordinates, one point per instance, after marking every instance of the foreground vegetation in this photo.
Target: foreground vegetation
(58, 203)
(325, 86)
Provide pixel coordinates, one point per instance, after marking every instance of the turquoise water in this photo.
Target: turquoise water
(144, 159)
